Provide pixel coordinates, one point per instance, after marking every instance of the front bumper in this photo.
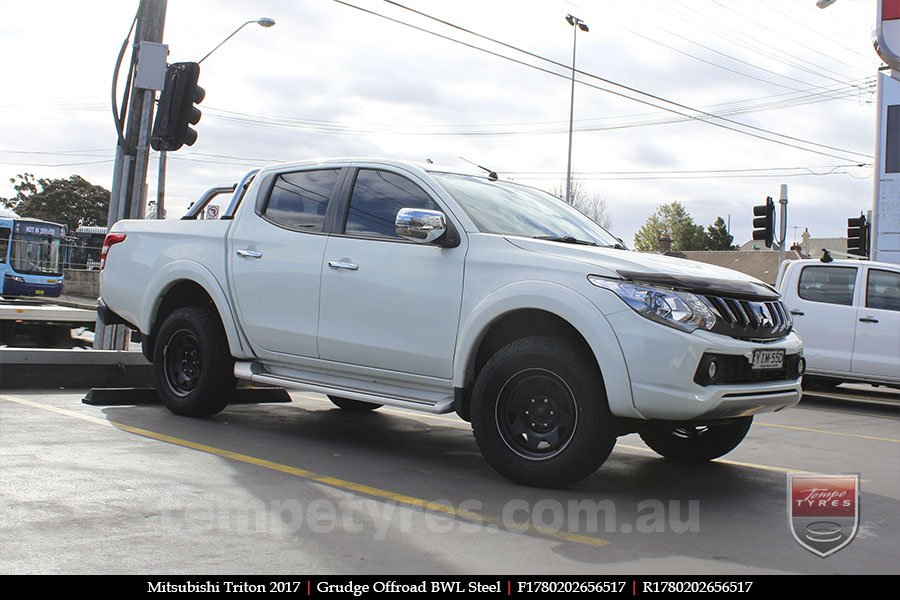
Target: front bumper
(662, 363)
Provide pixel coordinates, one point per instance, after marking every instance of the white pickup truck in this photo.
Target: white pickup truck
(381, 282)
(848, 314)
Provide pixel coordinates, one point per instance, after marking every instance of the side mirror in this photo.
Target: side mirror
(420, 225)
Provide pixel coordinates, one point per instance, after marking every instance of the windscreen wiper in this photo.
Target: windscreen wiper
(566, 239)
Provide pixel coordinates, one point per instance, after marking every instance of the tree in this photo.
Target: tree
(717, 236)
(673, 219)
(72, 202)
(592, 205)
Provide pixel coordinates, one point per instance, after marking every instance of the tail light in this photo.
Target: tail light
(109, 241)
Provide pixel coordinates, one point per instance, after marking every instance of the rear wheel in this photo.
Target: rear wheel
(539, 412)
(353, 405)
(194, 367)
(696, 442)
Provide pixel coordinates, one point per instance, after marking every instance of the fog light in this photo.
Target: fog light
(801, 366)
(712, 370)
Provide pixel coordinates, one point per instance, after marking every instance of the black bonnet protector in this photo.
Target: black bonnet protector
(745, 290)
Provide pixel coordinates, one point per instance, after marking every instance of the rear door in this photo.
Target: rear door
(389, 303)
(877, 349)
(276, 252)
(825, 315)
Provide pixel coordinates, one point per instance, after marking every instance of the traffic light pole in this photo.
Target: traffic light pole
(130, 170)
(783, 201)
(161, 185)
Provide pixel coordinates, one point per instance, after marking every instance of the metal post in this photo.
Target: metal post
(571, 118)
(161, 185)
(783, 200)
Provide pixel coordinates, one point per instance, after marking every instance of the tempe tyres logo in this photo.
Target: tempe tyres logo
(823, 511)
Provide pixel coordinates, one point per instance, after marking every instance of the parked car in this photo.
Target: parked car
(847, 312)
(381, 282)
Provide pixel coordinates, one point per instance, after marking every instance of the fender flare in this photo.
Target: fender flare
(566, 304)
(188, 270)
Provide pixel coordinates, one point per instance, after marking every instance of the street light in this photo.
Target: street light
(262, 22)
(576, 24)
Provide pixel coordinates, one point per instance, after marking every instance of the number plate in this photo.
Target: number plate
(38, 292)
(767, 359)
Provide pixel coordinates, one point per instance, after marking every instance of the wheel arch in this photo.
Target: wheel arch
(186, 283)
(537, 308)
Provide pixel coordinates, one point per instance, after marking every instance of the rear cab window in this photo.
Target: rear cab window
(831, 285)
(299, 200)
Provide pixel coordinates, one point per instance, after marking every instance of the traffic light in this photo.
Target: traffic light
(858, 236)
(764, 222)
(176, 111)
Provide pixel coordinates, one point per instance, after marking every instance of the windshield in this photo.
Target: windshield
(508, 208)
(35, 254)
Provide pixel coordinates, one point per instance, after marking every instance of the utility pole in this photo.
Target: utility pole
(128, 195)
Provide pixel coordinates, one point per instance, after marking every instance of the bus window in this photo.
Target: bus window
(5, 232)
(35, 255)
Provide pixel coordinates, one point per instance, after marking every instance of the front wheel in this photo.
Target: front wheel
(539, 412)
(194, 367)
(696, 442)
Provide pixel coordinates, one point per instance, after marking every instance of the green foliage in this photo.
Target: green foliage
(673, 219)
(72, 202)
(718, 238)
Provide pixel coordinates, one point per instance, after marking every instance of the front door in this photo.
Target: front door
(388, 303)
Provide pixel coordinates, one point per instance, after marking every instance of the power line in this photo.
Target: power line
(835, 39)
(705, 114)
(665, 7)
(752, 43)
(496, 130)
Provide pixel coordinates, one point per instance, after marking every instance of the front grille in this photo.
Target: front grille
(737, 369)
(750, 320)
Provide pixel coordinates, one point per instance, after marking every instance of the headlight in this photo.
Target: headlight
(681, 310)
(16, 278)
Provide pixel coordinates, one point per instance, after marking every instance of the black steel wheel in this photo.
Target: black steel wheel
(194, 366)
(182, 362)
(539, 412)
(536, 413)
(696, 442)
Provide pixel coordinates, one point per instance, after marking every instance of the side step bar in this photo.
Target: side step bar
(244, 370)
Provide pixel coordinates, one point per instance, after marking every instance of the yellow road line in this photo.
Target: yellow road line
(813, 430)
(334, 482)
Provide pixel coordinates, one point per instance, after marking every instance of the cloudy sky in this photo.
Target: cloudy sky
(791, 86)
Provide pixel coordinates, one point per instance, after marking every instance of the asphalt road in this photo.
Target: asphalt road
(307, 488)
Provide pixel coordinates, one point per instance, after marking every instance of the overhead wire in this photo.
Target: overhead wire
(703, 116)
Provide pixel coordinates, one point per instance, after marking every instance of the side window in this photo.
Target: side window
(833, 285)
(5, 232)
(299, 200)
(376, 198)
(883, 290)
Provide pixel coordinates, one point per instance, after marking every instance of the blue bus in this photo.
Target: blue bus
(30, 257)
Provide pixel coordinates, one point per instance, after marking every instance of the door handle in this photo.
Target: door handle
(342, 265)
(249, 254)
(799, 313)
(868, 320)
